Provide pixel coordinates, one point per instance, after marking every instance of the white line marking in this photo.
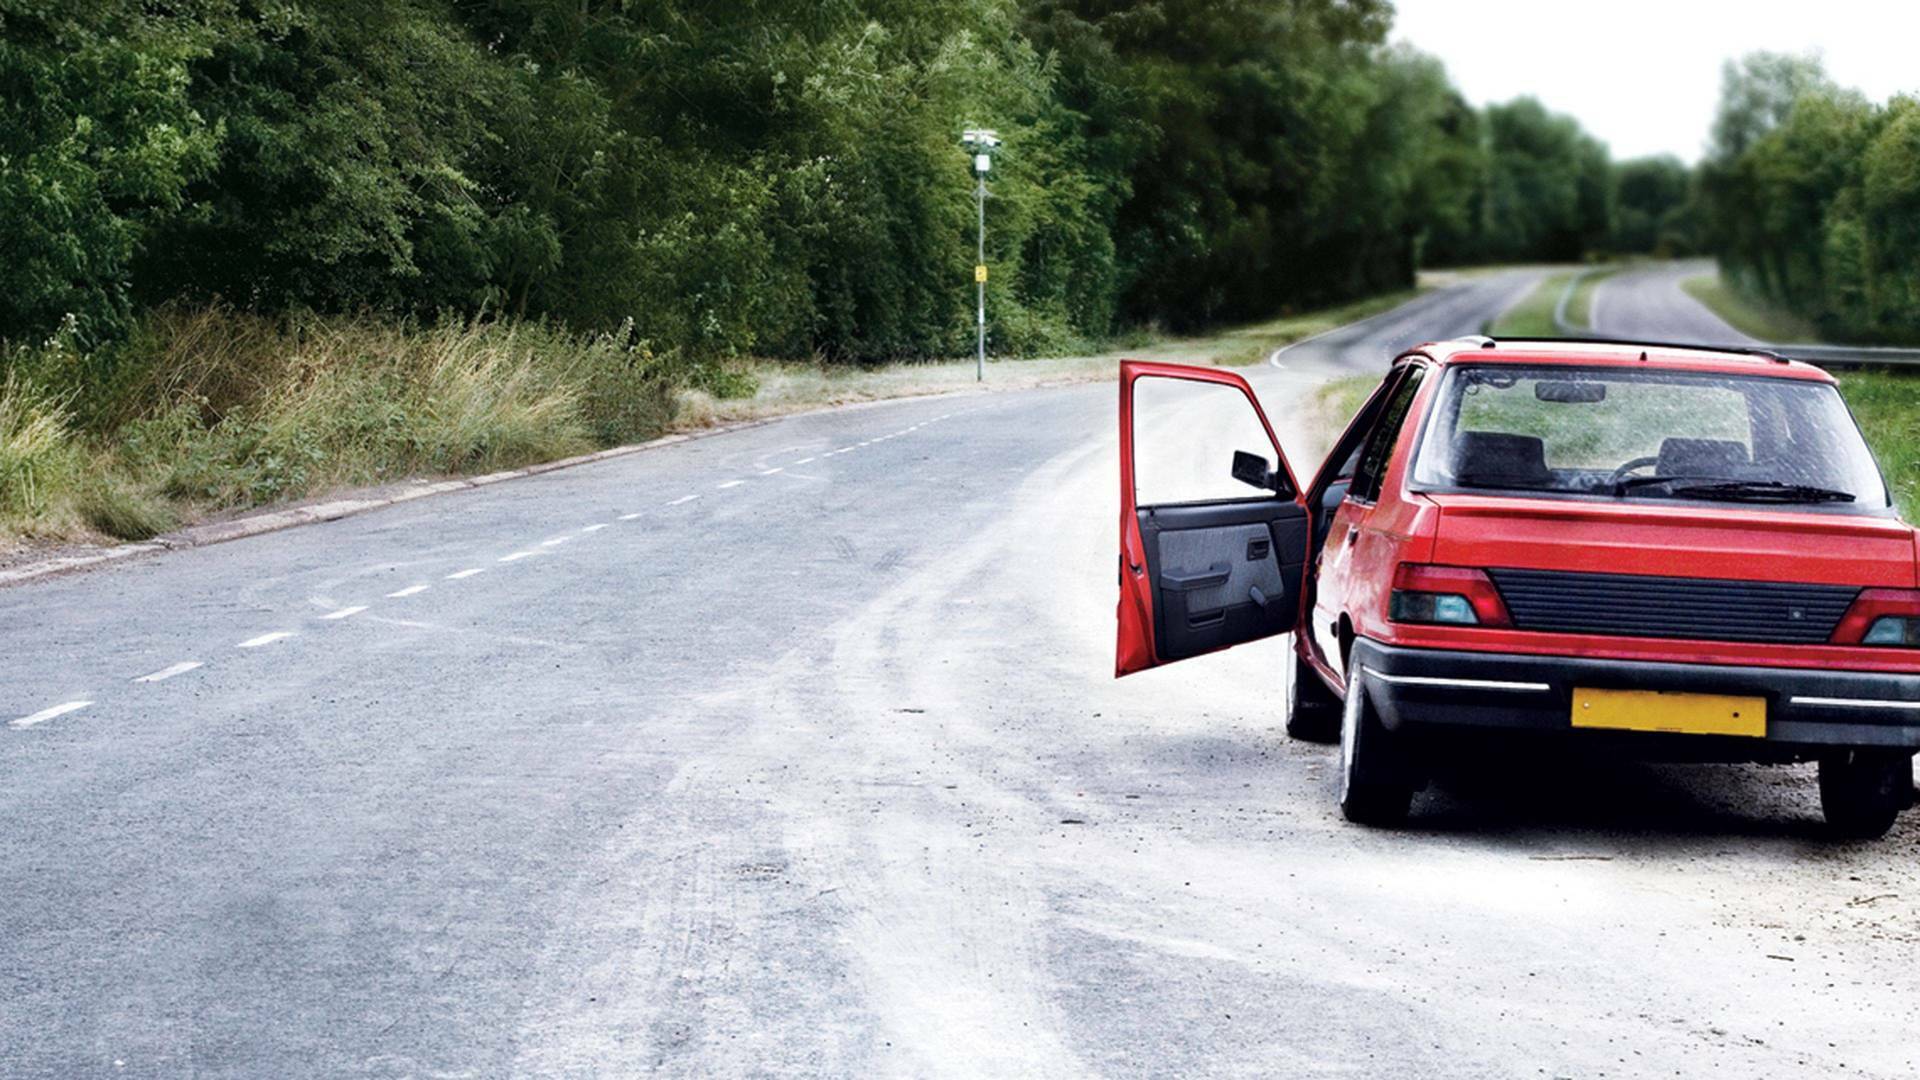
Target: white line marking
(731, 483)
(1856, 703)
(803, 461)
(345, 612)
(770, 472)
(630, 517)
(683, 499)
(593, 528)
(555, 542)
(48, 714)
(458, 574)
(516, 556)
(1459, 684)
(265, 639)
(167, 673)
(408, 591)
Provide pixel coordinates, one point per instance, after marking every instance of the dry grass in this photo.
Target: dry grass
(39, 461)
(209, 409)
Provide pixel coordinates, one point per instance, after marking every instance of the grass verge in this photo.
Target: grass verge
(1533, 315)
(790, 387)
(1749, 316)
(1887, 404)
(208, 410)
(1580, 307)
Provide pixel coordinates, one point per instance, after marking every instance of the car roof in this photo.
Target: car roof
(1725, 360)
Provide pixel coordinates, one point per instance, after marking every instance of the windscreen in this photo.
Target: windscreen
(1630, 433)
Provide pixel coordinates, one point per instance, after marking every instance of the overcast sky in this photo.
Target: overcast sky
(1644, 75)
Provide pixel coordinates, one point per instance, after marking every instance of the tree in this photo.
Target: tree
(1549, 187)
(99, 140)
(1652, 198)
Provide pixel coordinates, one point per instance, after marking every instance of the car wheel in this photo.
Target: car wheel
(1313, 712)
(1374, 784)
(1863, 791)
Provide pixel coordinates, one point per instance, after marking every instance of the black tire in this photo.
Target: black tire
(1863, 791)
(1376, 786)
(1313, 711)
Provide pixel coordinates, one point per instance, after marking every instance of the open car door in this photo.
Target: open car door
(1200, 574)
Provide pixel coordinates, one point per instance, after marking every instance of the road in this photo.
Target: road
(1646, 303)
(796, 751)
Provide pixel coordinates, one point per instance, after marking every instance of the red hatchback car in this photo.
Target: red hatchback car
(1689, 552)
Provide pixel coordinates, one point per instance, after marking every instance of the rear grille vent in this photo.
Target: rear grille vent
(1701, 609)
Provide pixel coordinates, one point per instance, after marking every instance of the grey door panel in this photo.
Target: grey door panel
(1223, 573)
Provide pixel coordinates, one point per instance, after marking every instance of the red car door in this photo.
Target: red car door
(1205, 574)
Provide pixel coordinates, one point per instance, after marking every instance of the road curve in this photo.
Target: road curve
(796, 751)
(1463, 307)
(1646, 303)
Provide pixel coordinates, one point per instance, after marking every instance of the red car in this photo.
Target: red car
(1687, 552)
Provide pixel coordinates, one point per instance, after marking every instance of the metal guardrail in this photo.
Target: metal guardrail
(1849, 356)
(1826, 356)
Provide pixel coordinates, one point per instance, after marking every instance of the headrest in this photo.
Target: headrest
(1701, 457)
(1497, 459)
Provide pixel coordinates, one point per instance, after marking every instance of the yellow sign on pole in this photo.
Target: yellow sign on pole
(980, 273)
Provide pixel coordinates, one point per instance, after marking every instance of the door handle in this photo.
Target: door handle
(1206, 579)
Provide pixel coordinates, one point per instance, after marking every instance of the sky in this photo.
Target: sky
(1644, 76)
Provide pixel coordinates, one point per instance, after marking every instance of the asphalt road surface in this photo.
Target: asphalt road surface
(796, 751)
(1646, 303)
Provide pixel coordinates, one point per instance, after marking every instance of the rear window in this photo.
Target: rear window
(1629, 433)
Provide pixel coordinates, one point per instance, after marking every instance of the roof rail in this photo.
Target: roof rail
(1763, 351)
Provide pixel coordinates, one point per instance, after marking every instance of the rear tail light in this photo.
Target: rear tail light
(1445, 595)
(1882, 617)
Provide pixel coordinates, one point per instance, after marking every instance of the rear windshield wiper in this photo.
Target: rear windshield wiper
(1763, 491)
(1631, 483)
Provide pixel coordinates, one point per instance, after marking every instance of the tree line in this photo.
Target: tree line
(1810, 197)
(781, 177)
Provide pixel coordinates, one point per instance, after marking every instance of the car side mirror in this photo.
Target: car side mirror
(1254, 471)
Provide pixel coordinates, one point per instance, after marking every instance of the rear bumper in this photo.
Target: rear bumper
(1807, 710)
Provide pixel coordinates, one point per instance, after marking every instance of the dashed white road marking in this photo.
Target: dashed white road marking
(594, 528)
(408, 591)
(683, 499)
(345, 612)
(265, 639)
(803, 461)
(458, 574)
(555, 542)
(169, 672)
(731, 484)
(47, 714)
(517, 556)
(770, 472)
(636, 513)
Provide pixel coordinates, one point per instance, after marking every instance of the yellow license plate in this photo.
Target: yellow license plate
(1655, 710)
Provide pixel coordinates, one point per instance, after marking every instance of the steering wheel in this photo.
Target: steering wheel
(1620, 473)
